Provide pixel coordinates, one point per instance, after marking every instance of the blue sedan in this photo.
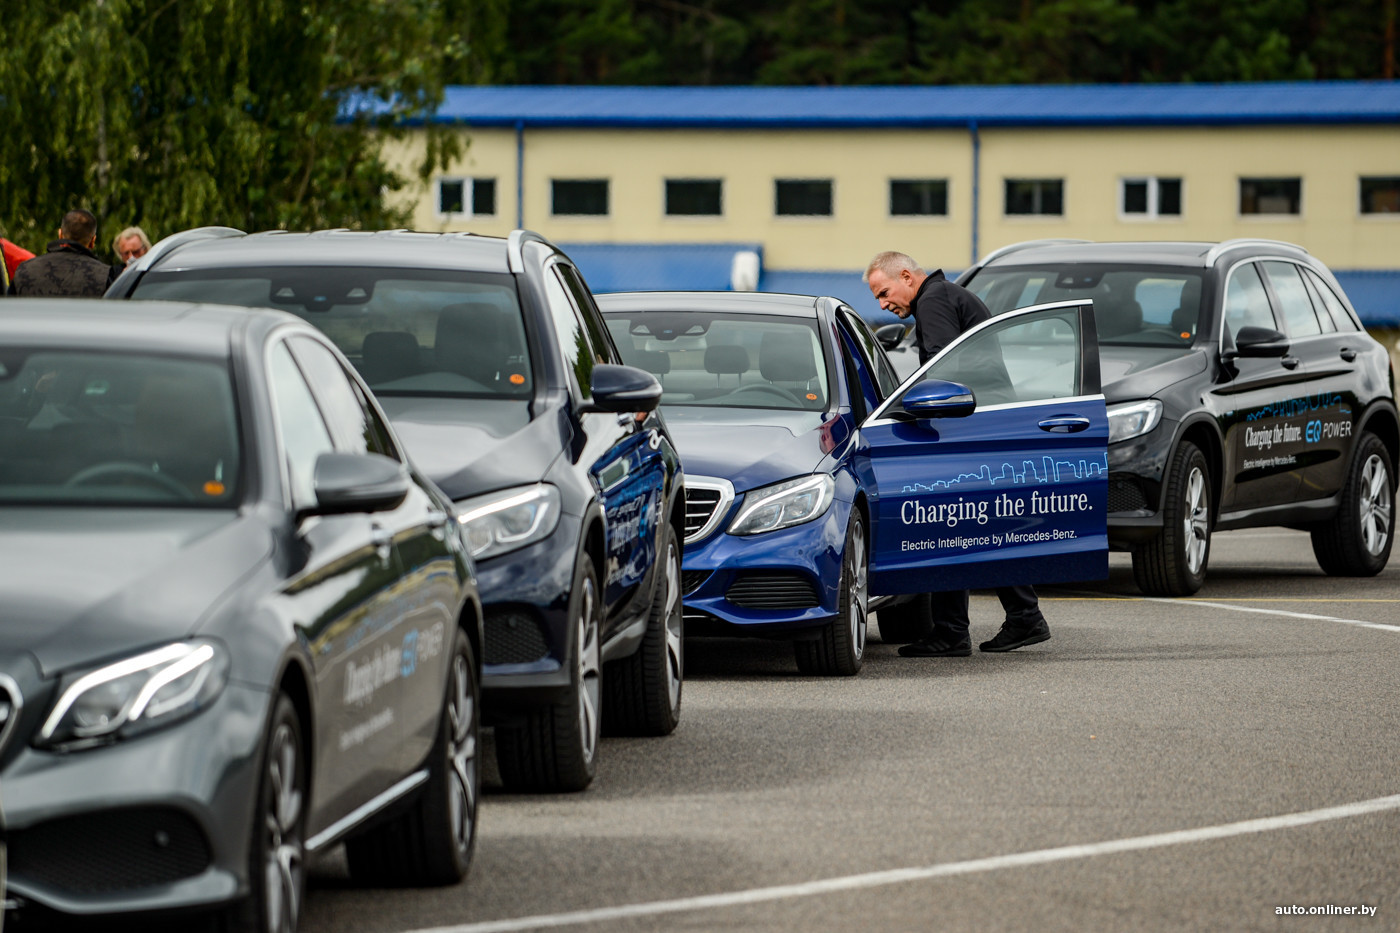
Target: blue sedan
(819, 488)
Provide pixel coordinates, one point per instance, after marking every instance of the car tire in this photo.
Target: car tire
(1174, 562)
(431, 843)
(839, 649)
(556, 748)
(643, 692)
(905, 623)
(277, 854)
(1357, 542)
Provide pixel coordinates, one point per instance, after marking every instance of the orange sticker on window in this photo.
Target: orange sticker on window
(516, 379)
(213, 488)
(811, 396)
(1185, 335)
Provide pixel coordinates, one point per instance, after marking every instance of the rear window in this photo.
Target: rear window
(1153, 306)
(408, 332)
(116, 429)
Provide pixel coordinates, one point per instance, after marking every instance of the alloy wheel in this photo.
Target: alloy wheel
(674, 624)
(285, 852)
(1197, 521)
(1375, 505)
(589, 670)
(462, 755)
(858, 613)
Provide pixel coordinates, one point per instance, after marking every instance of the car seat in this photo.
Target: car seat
(787, 361)
(726, 359)
(1117, 316)
(387, 355)
(471, 341)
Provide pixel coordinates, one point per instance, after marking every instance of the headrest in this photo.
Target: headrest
(1115, 317)
(786, 357)
(468, 336)
(726, 359)
(656, 362)
(387, 355)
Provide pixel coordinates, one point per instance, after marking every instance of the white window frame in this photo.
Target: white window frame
(1153, 199)
(468, 196)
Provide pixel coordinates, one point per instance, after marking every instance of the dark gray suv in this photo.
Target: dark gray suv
(1242, 391)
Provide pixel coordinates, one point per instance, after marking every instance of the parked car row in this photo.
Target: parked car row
(286, 529)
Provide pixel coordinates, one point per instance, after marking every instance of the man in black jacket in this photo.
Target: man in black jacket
(942, 310)
(69, 268)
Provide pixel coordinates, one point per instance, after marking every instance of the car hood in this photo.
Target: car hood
(1129, 373)
(86, 584)
(473, 446)
(753, 447)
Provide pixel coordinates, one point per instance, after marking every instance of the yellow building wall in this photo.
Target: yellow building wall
(1091, 161)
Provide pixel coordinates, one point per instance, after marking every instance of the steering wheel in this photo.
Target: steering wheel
(123, 468)
(771, 389)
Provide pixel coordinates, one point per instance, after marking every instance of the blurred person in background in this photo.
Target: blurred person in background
(130, 244)
(69, 268)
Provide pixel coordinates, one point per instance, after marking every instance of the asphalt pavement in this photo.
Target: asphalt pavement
(1199, 764)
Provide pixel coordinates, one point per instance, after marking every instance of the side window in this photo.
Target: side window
(885, 379)
(1026, 359)
(592, 317)
(1246, 302)
(356, 427)
(1299, 318)
(574, 344)
(1330, 301)
(304, 434)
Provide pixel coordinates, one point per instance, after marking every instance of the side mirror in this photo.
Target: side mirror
(889, 335)
(935, 398)
(623, 389)
(358, 483)
(1260, 342)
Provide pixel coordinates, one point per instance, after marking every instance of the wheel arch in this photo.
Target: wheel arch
(1381, 420)
(295, 682)
(1204, 435)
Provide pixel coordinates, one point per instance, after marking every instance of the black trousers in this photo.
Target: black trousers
(949, 609)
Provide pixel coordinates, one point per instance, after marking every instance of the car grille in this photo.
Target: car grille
(691, 580)
(513, 637)
(1125, 495)
(10, 705)
(700, 504)
(117, 850)
(772, 591)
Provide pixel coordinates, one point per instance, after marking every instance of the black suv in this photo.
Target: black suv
(1242, 391)
(491, 360)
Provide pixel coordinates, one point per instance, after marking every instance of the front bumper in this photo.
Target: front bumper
(780, 584)
(160, 822)
(1136, 468)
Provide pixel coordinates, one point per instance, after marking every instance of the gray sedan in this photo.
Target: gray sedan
(237, 627)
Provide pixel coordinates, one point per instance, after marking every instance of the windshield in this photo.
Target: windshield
(116, 429)
(409, 332)
(1146, 306)
(739, 360)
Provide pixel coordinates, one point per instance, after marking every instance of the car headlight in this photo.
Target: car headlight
(507, 520)
(784, 504)
(1132, 418)
(129, 697)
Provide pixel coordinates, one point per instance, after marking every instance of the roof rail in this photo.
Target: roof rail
(1224, 246)
(1027, 244)
(175, 240)
(515, 248)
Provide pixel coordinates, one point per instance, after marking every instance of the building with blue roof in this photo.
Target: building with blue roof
(794, 188)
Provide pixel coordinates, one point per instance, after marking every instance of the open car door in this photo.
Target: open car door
(990, 464)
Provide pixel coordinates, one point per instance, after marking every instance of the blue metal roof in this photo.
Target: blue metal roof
(954, 106)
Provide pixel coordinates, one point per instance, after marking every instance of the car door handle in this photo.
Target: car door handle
(1348, 354)
(1064, 424)
(1290, 362)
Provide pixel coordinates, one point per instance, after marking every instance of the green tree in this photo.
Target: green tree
(179, 113)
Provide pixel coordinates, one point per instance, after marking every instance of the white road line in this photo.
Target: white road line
(1273, 612)
(948, 869)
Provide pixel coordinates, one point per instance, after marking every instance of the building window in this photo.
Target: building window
(455, 194)
(1149, 197)
(1271, 195)
(1380, 195)
(1044, 196)
(580, 197)
(694, 197)
(802, 197)
(919, 197)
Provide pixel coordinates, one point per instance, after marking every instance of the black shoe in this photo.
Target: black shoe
(1012, 637)
(937, 646)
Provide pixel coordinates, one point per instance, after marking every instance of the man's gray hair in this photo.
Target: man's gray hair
(131, 231)
(891, 263)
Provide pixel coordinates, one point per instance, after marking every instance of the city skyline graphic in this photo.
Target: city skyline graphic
(1050, 470)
